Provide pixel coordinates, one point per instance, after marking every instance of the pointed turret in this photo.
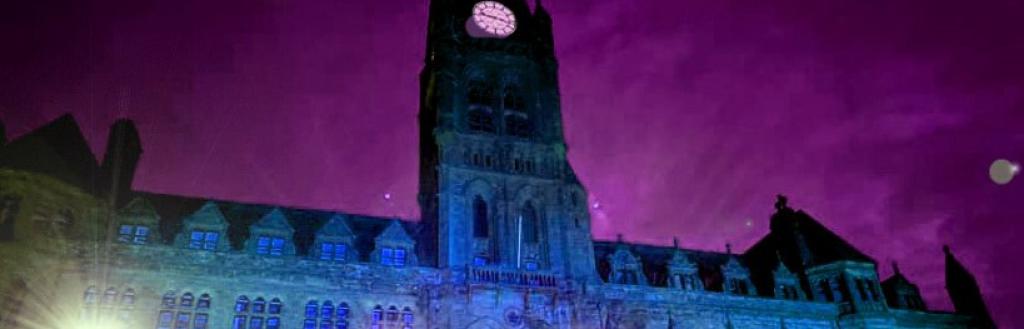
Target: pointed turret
(3, 134)
(964, 292)
(900, 292)
(118, 169)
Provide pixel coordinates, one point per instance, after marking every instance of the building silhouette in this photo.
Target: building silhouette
(504, 239)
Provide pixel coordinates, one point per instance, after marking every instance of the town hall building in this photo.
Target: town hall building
(503, 240)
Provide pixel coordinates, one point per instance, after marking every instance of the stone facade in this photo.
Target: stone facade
(503, 242)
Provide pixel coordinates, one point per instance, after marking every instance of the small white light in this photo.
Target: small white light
(387, 196)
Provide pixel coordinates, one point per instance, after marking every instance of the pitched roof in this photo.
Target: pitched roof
(305, 222)
(57, 149)
(656, 259)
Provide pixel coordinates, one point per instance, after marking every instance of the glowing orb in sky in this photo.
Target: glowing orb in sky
(1002, 171)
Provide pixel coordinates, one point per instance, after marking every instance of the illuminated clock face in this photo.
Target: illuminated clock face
(494, 18)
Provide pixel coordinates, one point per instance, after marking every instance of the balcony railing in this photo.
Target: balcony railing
(511, 277)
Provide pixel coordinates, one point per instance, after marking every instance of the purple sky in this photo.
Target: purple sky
(684, 118)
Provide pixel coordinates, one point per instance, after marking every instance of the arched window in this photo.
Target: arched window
(342, 322)
(481, 223)
(274, 308)
(187, 300)
(376, 317)
(109, 296)
(480, 119)
(392, 315)
(517, 124)
(169, 299)
(327, 311)
(480, 101)
(531, 228)
(311, 314)
(259, 305)
(128, 297)
(89, 297)
(242, 304)
(872, 289)
(204, 302)
(512, 100)
(407, 318)
(826, 290)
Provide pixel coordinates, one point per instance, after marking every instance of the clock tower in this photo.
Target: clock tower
(496, 188)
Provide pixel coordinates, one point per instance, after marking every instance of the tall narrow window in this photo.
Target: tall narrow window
(376, 317)
(873, 289)
(387, 256)
(204, 302)
(826, 290)
(481, 222)
(201, 321)
(399, 257)
(211, 240)
(327, 310)
(480, 100)
(263, 245)
(480, 119)
(312, 314)
(196, 240)
(392, 315)
(512, 100)
(141, 235)
(517, 124)
(125, 233)
(187, 299)
(275, 306)
(530, 226)
(238, 322)
(242, 304)
(164, 319)
(274, 309)
(277, 246)
(169, 300)
(89, 297)
(342, 322)
(182, 320)
(259, 305)
(407, 318)
(128, 297)
(109, 296)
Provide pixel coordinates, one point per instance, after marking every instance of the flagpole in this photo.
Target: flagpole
(519, 243)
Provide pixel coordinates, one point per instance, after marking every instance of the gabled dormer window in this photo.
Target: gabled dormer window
(203, 240)
(136, 222)
(204, 229)
(133, 234)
